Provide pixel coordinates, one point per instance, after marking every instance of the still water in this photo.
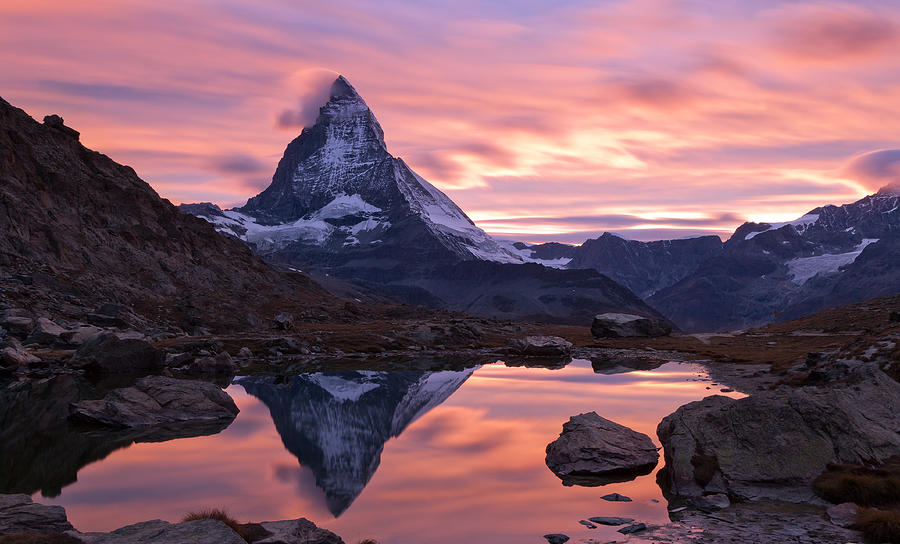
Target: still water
(405, 458)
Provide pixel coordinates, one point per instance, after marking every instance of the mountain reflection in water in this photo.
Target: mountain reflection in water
(463, 466)
(337, 423)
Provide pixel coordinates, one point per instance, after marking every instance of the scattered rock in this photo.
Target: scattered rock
(298, 531)
(615, 497)
(79, 335)
(556, 538)
(158, 400)
(611, 521)
(220, 364)
(17, 325)
(106, 353)
(245, 353)
(587, 524)
(631, 529)
(17, 357)
(203, 531)
(19, 514)
(711, 503)
(541, 346)
(843, 515)
(108, 315)
(774, 443)
(592, 450)
(284, 322)
(613, 325)
(45, 332)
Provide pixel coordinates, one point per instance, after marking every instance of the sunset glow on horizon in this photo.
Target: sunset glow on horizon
(542, 121)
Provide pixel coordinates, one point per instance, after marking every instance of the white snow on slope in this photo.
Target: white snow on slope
(314, 229)
(525, 255)
(444, 217)
(799, 224)
(804, 268)
(342, 389)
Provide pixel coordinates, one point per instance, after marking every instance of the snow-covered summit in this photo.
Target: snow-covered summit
(338, 188)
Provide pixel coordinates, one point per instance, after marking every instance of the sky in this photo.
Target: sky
(542, 120)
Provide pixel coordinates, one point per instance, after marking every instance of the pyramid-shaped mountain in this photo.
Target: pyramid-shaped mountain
(341, 205)
(338, 195)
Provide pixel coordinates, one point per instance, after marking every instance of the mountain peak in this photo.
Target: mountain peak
(891, 189)
(342, 88)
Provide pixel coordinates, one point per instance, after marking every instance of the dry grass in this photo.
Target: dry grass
(865, 486)
(38, 538)
(219, 514)
(879, 525)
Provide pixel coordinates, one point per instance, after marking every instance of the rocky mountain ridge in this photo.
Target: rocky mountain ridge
(80, 230)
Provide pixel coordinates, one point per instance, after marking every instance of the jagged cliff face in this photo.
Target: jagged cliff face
(831, 256)
(645, 267)
(337, 423)
(84, 230)
(338, 195)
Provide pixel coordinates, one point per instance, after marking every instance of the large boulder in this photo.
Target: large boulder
(592, 450)
(106, 353)
(16, 357)
(158, 401)
(298, 531)
(17, 325)
(19, 514)
(774, 443)
(203, 531)
(541, 346)
(614, 325)
(45, 332)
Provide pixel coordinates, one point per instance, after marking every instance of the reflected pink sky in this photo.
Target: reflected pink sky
(543, 120)
(472, 469)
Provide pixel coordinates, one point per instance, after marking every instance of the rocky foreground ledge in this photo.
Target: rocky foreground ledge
(22, 520)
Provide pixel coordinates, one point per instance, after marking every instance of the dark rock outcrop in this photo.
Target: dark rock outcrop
(541, 346)
(592, 450)
(617, 325)
(158, 401)
(298, 531)
(774, 443)
(19, 514)
(203, 531)
(106, 353)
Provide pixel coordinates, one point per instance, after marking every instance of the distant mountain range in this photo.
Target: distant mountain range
(831, 256)
(340, 204)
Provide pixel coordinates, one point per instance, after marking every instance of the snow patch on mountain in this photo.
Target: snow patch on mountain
(805, 268)
(800, 225)
(525, 255)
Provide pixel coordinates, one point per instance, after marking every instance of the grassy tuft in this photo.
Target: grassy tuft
(879, 525)
(865, 486)
(219, 514)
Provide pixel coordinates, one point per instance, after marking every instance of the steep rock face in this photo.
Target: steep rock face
(83, 229)
(767, 272)
(337, 423)
(645, 267)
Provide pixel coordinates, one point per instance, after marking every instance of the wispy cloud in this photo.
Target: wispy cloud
(711, 112)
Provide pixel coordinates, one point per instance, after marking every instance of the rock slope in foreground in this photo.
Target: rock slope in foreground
(80, 229)
(775, 443)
